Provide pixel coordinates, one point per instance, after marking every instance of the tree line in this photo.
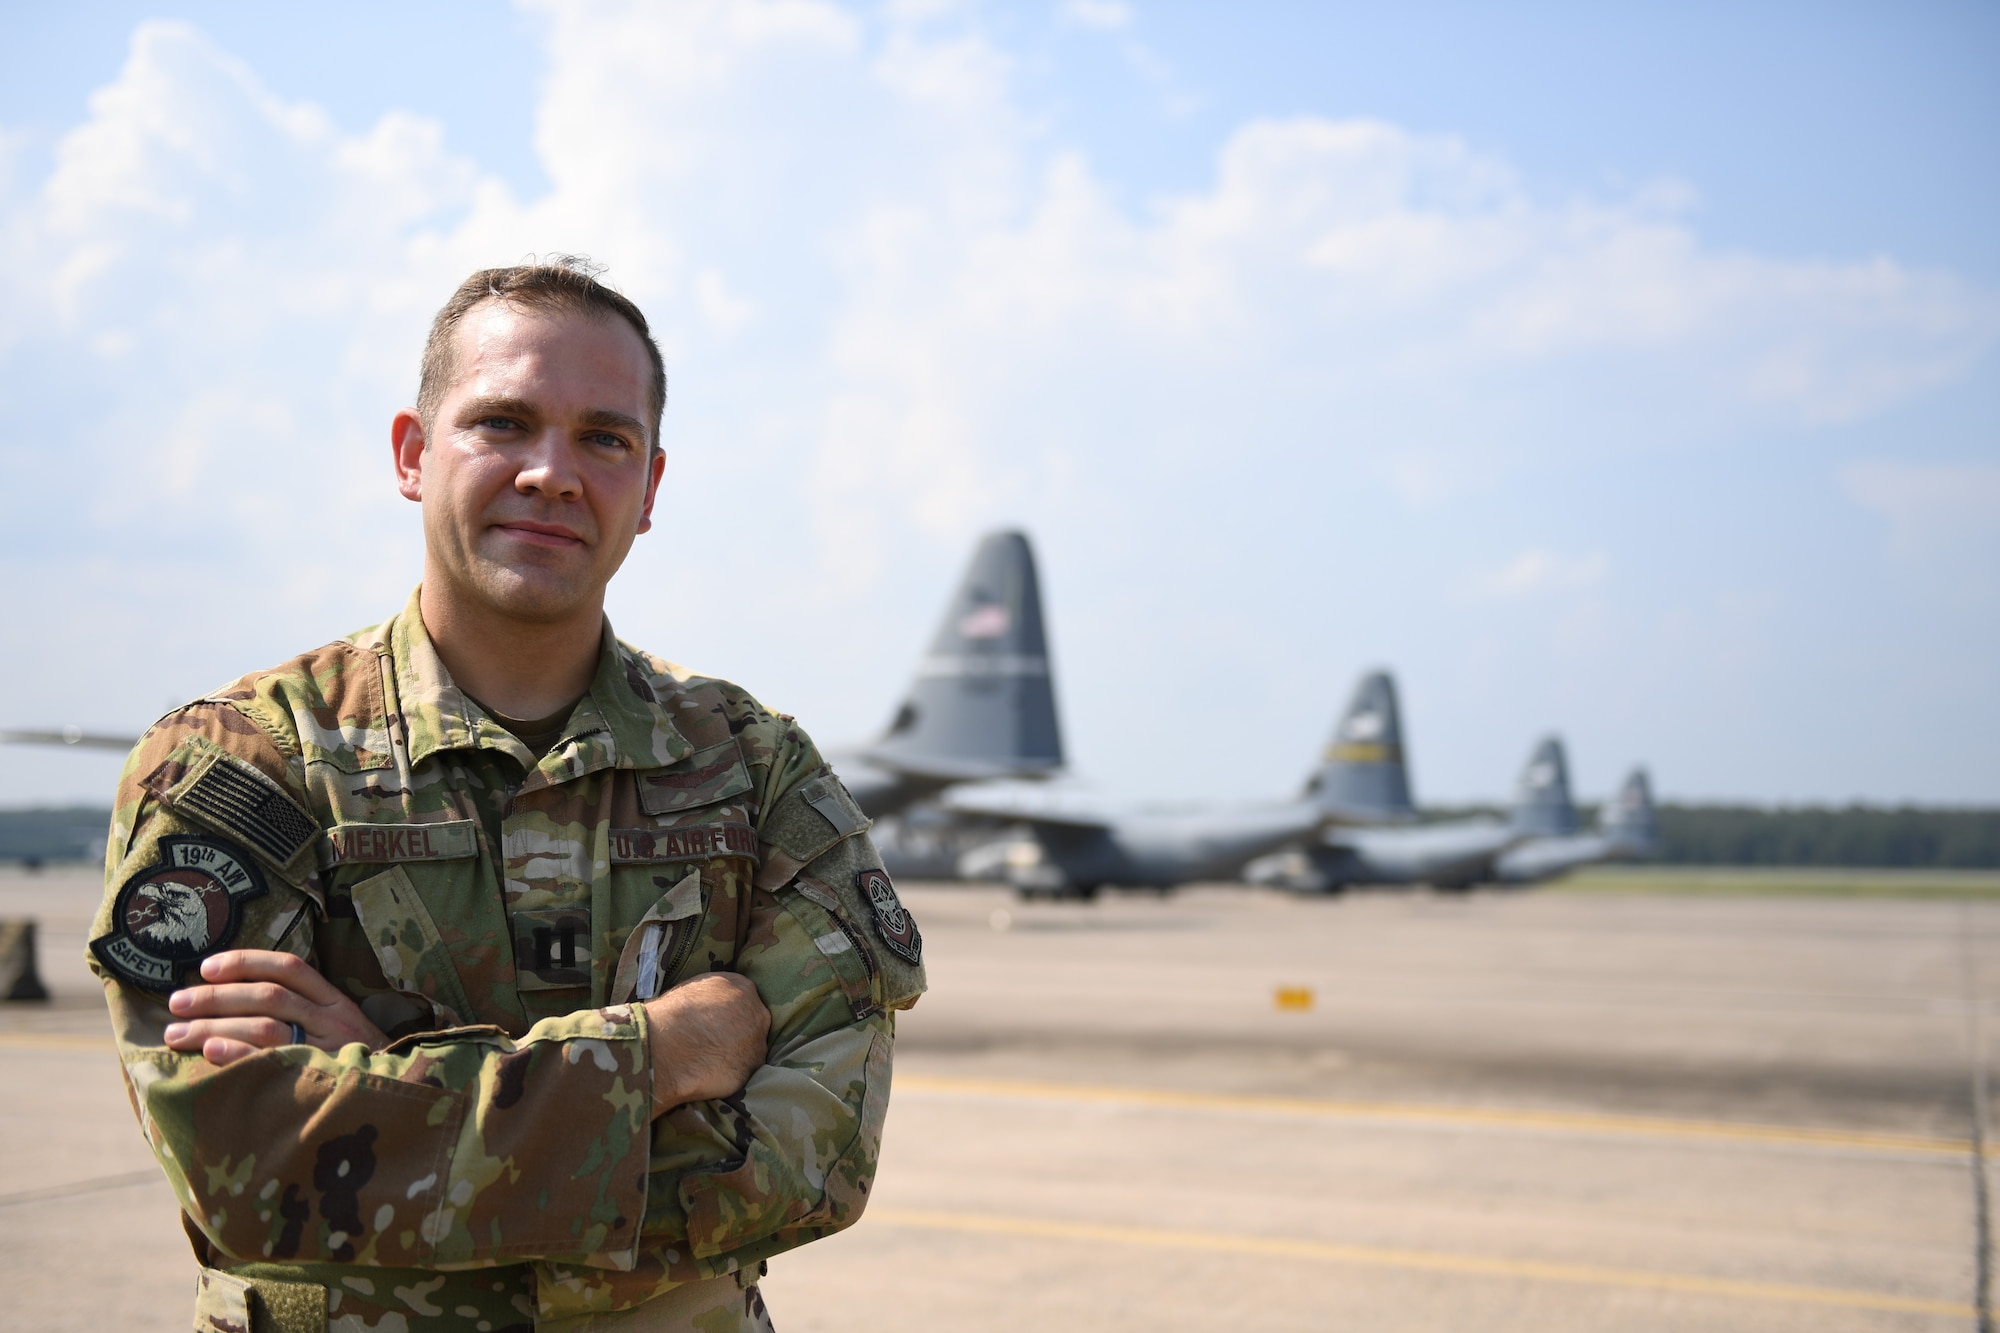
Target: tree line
(1904, 837)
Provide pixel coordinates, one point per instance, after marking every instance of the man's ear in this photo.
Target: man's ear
(656, 467)
(406, 439)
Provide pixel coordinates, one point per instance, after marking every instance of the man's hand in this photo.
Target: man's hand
(707, 1038)
(253, 998)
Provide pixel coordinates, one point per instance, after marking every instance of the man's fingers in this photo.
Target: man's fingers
(253, 1034)
(220, 1051)
(262, 999)
(268, 965)
(260, 983)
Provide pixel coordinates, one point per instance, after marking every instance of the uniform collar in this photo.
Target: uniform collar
(619, 723)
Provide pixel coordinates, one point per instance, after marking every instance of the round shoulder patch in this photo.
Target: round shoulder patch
(178, 911)
(893, 921)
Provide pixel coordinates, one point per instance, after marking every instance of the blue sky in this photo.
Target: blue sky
(1627, 374)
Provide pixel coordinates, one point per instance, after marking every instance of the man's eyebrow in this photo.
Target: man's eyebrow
(606, 419)
(475, 408)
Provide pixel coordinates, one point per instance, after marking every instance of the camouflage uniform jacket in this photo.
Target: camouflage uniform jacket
(496, 1164)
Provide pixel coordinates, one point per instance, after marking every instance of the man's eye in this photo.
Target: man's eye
(499, 423)
(607, 440)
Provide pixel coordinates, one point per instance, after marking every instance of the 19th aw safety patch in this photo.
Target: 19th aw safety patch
(178, 911)
(893, 921)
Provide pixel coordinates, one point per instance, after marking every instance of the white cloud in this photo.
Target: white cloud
(1110, 15)
(1536, 571)
(1931, 507)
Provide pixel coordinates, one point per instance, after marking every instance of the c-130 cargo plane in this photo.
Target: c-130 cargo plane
(1044, 850)
(1353, 823)
(1540, 838)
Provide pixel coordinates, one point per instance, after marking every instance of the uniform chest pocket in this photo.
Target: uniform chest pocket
(659, 943)
(408, 946)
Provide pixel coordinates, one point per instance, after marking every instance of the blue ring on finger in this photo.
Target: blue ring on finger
(298, 1035)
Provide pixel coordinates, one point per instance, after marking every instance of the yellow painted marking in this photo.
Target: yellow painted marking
(1421, 1260)
(1469, 1117)
(1293, 997)
(53, 1041)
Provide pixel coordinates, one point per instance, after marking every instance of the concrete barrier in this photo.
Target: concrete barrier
(18, 978)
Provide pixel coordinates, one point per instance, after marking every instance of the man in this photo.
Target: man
(479, 971)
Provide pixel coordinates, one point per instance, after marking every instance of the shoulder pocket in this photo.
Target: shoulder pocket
(817, 910)
(841, 884)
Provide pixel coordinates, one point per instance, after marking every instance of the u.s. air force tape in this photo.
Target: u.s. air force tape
(893, 921)
(178, 911)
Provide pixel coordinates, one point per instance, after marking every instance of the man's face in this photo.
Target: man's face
(538, 470)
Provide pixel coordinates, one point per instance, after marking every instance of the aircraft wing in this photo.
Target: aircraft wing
(70, 736)
(1015, 807)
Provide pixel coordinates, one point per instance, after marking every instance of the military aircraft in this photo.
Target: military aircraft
(1627, 829)
(1365, 777)
(1540, 838)
(1029, 840)
(1055, 853)
(983, 704)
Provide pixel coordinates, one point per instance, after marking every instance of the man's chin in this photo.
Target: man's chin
(536, 598)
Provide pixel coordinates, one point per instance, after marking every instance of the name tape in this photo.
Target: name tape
(453, 840)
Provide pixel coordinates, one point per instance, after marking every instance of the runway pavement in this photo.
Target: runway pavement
(1527, 1111)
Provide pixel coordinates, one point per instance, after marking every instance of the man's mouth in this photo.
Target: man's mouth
(540, 534)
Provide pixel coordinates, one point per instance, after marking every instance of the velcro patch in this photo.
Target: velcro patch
(239, 800)
(828, 796)
(693, 842)
(702, 778)
(893, 921)
(551, 948)
(178, 911)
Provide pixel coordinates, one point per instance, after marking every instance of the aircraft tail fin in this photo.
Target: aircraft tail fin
(1542, 804)
(1363, 775)
(1629, 819)
(983, 703)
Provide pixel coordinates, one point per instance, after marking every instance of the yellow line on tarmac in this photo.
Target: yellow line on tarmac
(1470, 1117)
(1421, 1260)
(54, 1041)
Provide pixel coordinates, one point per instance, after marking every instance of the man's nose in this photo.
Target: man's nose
(549, 467)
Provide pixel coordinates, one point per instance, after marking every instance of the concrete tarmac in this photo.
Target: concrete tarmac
(1521, 1111)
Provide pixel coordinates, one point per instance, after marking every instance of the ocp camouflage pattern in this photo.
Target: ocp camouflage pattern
(495, 1166)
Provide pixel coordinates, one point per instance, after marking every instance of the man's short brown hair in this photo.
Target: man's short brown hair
(565, 284)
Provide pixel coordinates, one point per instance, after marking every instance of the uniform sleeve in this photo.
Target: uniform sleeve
(792, 1157)
(451, 1149)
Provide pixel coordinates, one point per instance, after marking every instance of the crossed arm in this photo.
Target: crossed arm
(705, 1037)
